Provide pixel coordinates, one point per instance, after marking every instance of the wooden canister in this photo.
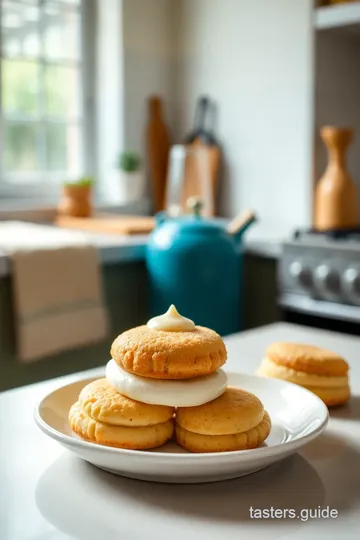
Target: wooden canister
(335, 194)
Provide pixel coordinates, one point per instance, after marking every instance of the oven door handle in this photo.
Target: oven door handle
(321, 308)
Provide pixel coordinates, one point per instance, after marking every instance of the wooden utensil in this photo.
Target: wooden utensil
(108, 224)
(203, 138)
(158, 147)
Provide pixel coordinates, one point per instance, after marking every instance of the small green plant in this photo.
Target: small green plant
(129, 162)
(84, 181)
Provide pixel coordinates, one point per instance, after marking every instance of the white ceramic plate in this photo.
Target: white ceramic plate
(297, 416)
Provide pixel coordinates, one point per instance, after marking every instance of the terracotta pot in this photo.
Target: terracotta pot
(335, 194)
(76, 201)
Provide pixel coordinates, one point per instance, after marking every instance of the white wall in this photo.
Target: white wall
(149, 63)
(255, 59)
(135, 58)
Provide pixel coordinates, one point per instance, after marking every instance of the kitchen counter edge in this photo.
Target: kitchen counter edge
(133, 249)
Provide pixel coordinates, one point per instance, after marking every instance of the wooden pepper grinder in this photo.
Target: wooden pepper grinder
(335, 194)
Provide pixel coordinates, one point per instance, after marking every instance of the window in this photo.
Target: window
(42, 105)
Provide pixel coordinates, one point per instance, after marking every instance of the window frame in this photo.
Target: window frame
(38, 190)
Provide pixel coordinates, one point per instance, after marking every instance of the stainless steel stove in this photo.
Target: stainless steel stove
(319, 280)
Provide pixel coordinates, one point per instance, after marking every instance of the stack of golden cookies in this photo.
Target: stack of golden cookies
(164, 378)
(323, 372)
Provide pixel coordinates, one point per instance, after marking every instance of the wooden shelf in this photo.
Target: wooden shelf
(341, 16)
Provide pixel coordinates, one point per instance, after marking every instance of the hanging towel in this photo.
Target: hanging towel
(57, 297)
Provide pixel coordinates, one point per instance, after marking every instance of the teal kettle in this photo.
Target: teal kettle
(197, 264)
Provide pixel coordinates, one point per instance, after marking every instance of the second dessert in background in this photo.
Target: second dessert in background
(323, 372)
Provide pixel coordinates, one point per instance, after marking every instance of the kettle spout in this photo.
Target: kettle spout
(160, 217)
(240, 224)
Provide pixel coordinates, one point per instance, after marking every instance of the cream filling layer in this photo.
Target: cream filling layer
(271, 369)
(179, 393)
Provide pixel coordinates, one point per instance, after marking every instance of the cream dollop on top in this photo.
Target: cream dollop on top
(171, 321)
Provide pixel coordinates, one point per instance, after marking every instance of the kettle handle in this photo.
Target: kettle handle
(240, 223)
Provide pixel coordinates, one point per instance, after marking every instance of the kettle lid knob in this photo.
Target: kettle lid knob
(195, 205)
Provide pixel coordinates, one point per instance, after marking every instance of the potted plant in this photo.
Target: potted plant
(76, 200)
(131, 176)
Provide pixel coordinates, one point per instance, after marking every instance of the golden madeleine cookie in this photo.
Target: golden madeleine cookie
(134, 438)
(234, 421)
(194, 442)
(101, 402)
(235, 411)
(160, 354)
(321, 371)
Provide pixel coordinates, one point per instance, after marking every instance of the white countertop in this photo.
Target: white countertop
(48, 494)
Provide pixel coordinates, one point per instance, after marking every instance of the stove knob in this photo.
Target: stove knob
(351, 281)
(301, 274)
(327, 281)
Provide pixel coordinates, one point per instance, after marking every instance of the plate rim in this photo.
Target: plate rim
(261, 452)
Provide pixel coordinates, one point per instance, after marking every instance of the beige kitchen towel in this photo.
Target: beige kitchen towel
(58, 300)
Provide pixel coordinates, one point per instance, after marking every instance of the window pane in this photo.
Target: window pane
(62, 91)
(63, 149)
(20, 29)
(20, 87)
(20, 147)
(41, 90)
(61, 32)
